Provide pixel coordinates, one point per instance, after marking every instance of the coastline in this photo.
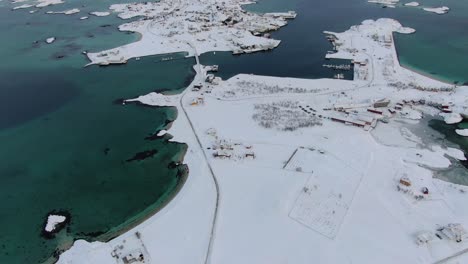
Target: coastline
(148, 212)
(417, 71)
(369, 160)
(67, 242)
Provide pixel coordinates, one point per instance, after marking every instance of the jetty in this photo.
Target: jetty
(345, 67)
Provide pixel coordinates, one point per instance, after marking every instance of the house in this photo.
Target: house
(424, 237)
(209, 78)
(375, 111)
(455, 232)
(250, 154)
(446, 110)
(381, 103)
(221, 154)
(197, 101)
(134, 257)
(425, 190)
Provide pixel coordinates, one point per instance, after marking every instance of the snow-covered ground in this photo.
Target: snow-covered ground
(354, 186)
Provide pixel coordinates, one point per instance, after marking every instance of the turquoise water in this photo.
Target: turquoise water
(440, 46)
(66, 143)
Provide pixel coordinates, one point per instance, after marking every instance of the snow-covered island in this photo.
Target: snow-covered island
(412, 4)
(438, 10)
(55, 222)
(35, 3)
(387, 3)
(299, 170)
(195, 28)
(393, 4)
(65, 12)
(50, 40)
(100, 14)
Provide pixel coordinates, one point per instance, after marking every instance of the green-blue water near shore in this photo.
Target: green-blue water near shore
(64, 144)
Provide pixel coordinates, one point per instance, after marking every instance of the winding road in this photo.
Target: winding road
(199, 78)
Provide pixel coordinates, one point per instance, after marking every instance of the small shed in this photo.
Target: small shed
(424, 237)
(405, 181)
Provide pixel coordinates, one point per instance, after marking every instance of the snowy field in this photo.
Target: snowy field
(355, 186)
(329, 192)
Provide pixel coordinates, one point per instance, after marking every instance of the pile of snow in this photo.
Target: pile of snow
(462, 132)
(50, 40)
(53, 221)
(452, 118)
(452, 152)
(66, 12)
(437, 10)
(100, 14)
(412, 4)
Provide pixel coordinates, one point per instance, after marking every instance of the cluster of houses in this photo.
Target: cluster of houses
(210, 80)
(224, 149)
(113, 58)
(385, 39)
(366, 117)
(452, 232)
(227, 149)
(131, 251)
